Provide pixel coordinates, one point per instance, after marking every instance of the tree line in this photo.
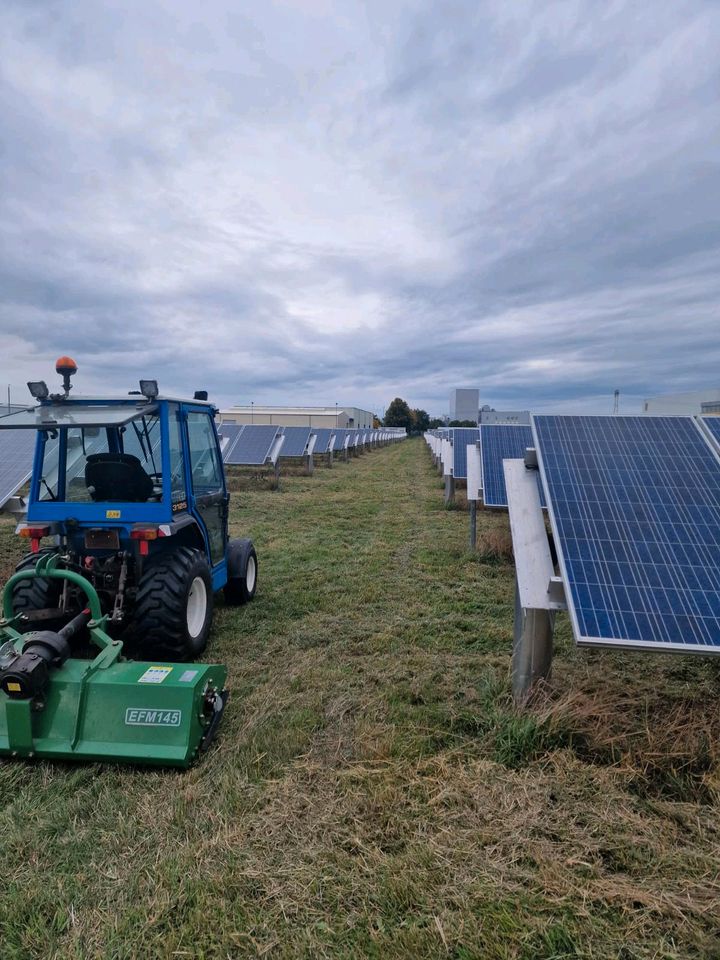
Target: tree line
(400, 414)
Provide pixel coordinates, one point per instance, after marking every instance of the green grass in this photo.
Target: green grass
(374, 793)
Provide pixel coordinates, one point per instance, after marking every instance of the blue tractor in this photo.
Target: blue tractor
(130, 494)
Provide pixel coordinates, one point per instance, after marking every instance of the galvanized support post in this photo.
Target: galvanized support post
(310, 466)
(329, 461)
(538, 591)
(532, 647)
(473, 525)
(277, 476)
(449, 488)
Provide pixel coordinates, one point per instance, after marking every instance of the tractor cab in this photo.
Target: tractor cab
(128, 467)
(127, 520)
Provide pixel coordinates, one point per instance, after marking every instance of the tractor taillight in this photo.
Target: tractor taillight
(35, 534)
(144, 535)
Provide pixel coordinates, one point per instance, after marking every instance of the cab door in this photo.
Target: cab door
(206, 477)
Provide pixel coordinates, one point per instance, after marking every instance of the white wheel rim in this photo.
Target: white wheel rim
(196, 606)
(250, 574)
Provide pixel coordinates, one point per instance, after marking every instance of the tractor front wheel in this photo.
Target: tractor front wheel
(174, 606)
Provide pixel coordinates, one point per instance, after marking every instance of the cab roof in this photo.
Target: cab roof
(88, 412)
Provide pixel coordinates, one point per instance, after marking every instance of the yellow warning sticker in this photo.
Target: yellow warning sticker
(112, 514)
(14, 687)
(155, 675)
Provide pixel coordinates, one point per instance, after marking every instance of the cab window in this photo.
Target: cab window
(103, 463)
(177, 476)
(204, 458)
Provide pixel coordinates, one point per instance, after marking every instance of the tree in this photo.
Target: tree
(421, 420)
(463, 423)
(399, 414)
(435, 423)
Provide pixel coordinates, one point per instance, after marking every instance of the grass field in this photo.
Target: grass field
(373, 792)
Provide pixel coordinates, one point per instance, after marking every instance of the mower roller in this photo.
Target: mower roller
(101, 628)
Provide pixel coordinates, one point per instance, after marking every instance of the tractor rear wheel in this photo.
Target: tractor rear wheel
(174, 606)
(40, 593)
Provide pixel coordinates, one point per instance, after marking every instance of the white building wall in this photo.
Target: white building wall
(680, 403)
(299, 416)
(505, 416)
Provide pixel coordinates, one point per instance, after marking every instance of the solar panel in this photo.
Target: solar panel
(296, 441)
(252, 445)
(461, 437)
(324, 435)
(229, 433)
(502, 442)
(713, 425)
(635, 509)
(16, 458)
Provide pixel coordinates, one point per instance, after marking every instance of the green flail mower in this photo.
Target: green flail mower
(105, 620)
(105, 708)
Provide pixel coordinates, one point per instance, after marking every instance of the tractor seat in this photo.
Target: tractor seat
(117, 476)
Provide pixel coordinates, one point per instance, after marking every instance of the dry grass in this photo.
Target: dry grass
(374, 792)
(495, 542)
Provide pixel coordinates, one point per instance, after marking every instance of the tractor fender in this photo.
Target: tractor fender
(186, 530)
(236, 555)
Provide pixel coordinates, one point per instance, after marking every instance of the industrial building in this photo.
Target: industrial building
(465, 404)
(698, 401)
(337, 416)
(511, 417)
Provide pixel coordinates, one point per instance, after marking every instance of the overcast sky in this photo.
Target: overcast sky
(321, 200)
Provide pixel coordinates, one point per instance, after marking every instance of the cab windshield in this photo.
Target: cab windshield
(103, 464)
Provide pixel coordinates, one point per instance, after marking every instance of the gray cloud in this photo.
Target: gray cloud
(310, 203)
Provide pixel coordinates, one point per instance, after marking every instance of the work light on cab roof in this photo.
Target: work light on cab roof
(67, 368)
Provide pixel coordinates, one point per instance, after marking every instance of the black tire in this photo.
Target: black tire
(242, 572)
(37, 594)
(163, 617)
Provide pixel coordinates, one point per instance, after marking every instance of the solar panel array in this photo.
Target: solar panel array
(635, 508)
(16, 457)
(252, 444)
(500, 442)
(295, 442)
